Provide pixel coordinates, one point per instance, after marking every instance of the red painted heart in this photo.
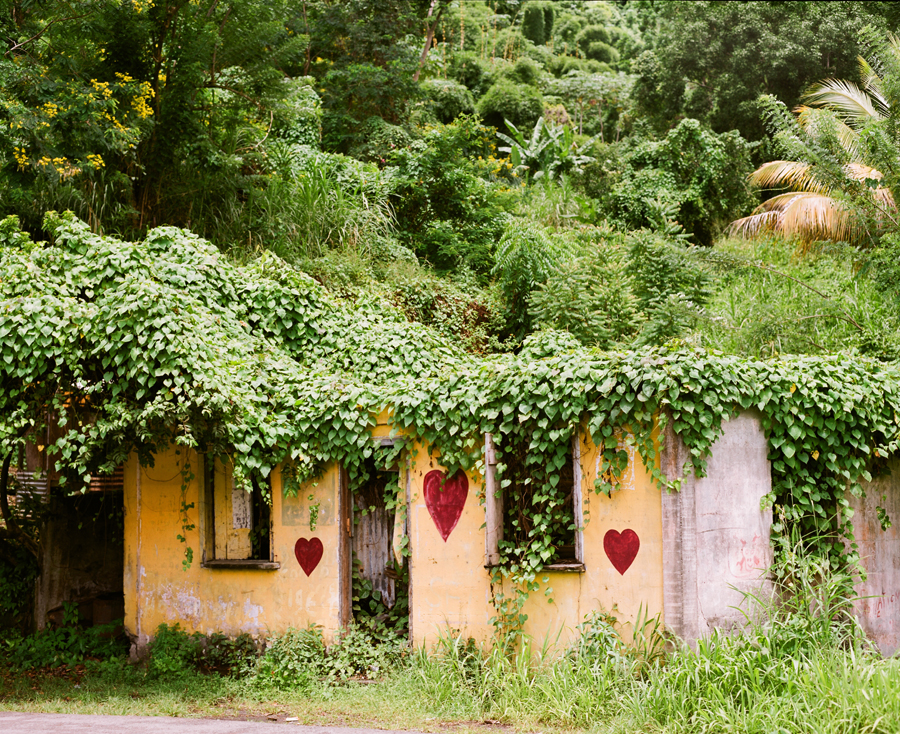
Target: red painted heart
(445, 499)
(309, 553)
(621, 548)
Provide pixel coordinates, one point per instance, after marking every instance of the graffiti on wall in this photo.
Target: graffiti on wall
(621, 548)
(445, 499)
(309, 553)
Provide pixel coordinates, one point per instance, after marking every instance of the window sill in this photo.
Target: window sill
(565, 567)
(245, 564)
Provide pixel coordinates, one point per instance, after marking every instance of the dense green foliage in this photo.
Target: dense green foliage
(368, 244)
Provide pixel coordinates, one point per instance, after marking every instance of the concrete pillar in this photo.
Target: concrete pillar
(715, 536)
(877, 606)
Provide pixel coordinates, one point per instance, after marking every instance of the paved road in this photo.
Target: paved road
(19, 723)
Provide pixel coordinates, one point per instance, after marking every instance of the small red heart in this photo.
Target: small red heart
(621, 549)
(309, 553)
(445, 499)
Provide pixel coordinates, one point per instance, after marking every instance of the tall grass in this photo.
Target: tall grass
(802, 664)
(770, 301)
(314, 202)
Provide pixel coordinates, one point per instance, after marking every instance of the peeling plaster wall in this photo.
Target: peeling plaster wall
(715, 536)
(633, 505)
(878, 605)
(449, 586)
(693, 545)
(230, 600)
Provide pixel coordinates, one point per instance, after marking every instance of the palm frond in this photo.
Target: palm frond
(806, 216)
(861, 172)
(874, 85)
(846, 99)
(809, 118)
(793, 174)
(755, 225)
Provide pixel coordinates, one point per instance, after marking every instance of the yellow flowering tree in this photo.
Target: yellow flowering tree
(123, 110)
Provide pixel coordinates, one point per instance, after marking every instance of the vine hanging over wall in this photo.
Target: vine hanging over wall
(141, 345)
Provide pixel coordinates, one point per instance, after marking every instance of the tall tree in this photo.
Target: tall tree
(712, 60)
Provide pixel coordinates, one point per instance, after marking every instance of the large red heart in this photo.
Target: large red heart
(445, 499)
(309, 553)
(621, 548)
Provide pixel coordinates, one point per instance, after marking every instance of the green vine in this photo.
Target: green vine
(187, 476)
(142, 345)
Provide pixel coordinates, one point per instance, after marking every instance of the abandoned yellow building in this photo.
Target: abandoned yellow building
(684, 556)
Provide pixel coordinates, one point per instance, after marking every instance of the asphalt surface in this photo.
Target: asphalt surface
(22, 723)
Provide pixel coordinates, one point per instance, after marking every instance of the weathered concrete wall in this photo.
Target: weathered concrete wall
(715, 536)
(82, 540)
(878, 605)
(645, 552)
(232, 600)
(450, 588)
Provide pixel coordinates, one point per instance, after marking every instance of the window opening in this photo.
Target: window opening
(526, 490)
(238, 519)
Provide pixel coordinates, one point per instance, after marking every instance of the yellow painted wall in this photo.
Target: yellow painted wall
(201, 599)
(635, 504)
(450, 588)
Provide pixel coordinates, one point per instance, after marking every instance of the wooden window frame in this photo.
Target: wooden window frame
(211, 511)
(493, 510)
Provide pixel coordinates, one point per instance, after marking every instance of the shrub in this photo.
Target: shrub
(590, 298)
(561, 66)
(567, 29)
(173, 651)
(18, 570)
(297, 118)
(524, 71)
(468, 69)
(458, 308)
(378, 139)
(69, 644)
(667, 283)
(526, 256)
(522, 105)
(449, 99)
(222, 654)
(602, 52)
(447, 212)
(592, 34)
(295, 659)
(358, 652)
(701, 175)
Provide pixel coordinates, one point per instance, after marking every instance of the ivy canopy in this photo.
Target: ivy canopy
(135, 345)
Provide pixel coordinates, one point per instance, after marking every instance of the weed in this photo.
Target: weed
(68, 644)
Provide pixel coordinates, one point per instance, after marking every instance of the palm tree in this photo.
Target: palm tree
(835, 191)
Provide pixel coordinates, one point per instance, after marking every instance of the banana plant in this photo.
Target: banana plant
(550, 152)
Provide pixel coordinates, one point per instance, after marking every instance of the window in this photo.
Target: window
(504, 520)
(238, 520)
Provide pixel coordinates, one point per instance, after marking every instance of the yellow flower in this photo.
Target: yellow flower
(21, 158)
